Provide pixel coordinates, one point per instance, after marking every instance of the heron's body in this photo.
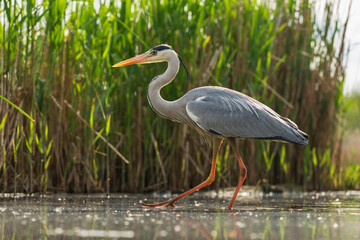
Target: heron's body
(225, 113)
(216, 112)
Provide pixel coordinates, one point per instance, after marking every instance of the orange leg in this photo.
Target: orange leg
(242, 172)
(170, 203)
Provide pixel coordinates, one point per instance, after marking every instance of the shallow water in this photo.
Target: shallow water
(334, 215)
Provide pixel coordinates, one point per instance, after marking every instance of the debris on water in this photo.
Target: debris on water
(177, 228)
(240, 224)
(163, 233)
(58, 209)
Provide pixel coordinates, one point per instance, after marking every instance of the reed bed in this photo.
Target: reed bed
(90, 119)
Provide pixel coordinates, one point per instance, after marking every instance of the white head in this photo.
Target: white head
(159, 53)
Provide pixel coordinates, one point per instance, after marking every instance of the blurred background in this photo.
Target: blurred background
(299, 57)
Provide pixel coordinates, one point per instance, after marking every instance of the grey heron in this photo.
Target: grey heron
(217, 113)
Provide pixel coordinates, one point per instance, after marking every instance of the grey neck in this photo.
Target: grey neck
(161, 106)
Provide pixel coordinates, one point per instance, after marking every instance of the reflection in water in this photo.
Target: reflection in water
(300, 216)
(234, 233)
(203, 230)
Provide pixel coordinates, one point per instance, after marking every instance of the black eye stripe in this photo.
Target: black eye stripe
(161, 47)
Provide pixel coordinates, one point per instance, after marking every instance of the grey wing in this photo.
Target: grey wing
(232, 114)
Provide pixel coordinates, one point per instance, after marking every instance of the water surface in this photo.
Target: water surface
(334, 215)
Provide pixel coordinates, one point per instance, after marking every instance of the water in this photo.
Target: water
(334, 215)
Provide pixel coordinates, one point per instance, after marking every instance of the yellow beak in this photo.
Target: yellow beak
(138, 59)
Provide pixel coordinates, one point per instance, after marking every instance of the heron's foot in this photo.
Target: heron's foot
(166, 204)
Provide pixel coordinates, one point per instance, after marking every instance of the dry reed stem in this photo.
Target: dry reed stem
(94, 131)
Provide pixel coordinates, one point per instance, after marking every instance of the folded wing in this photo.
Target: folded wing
(231, 114)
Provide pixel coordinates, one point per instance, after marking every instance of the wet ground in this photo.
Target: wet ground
(330, 215)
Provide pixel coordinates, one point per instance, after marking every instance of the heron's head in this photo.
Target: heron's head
(159, 53)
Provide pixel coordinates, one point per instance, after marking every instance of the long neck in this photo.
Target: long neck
(161, 106)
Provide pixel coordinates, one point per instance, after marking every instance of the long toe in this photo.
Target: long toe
(154, 204)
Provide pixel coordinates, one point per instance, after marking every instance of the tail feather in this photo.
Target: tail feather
(303, 138)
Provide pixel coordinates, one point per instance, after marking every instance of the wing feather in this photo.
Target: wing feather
(232, 114)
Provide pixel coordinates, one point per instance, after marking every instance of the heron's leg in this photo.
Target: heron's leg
(216, 146)
(242, 171)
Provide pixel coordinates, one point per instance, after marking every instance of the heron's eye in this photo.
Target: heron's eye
(153, 52)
